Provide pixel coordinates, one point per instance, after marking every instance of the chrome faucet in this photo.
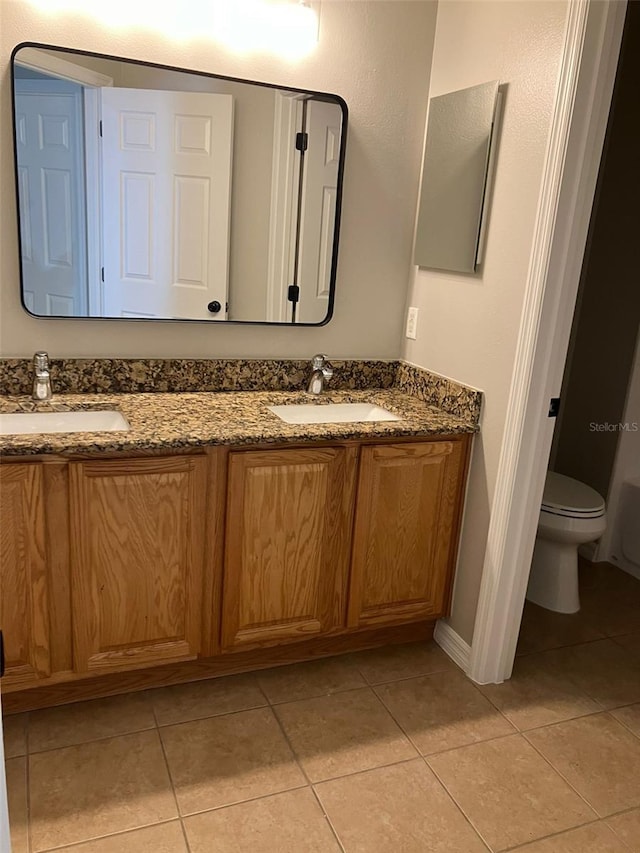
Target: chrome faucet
(41, 379)
(322, 372)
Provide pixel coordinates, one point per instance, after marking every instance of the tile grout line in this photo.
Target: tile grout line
(256, 679)
(366, 770)
(116, 834)
(27, 780)
(614, 830)
(445, 668)
(183, 829)
(398, 723)
(622, 722)
(561, 775)
(417, 757)
(212, 716)
(370, 684)
(519, 730)
(338, 691)
(561, 832)
(458, 805)
(596, 817)
(563, 646)
(291, 748)
(171, 782)
(569, 676)
(309, 784)
(610, 715)
(449, 748)
(260, 797)
(255, 799)
(328, 820)
(93, 740)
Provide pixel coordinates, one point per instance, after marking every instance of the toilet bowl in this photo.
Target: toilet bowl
(571, 514)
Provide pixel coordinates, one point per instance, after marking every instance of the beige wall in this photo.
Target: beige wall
(377, 56)
(468, 324)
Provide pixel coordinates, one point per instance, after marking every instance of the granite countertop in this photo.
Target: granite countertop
(171, 421)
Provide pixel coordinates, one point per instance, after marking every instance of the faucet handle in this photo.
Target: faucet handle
(319, 361)
(41, 360)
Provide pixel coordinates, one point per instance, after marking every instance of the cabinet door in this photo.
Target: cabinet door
(136, 560)
(289, 516)
(406, 528)
(24, 598)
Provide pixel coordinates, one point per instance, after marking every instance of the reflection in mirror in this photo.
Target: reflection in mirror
(147, 192)
(460, 130)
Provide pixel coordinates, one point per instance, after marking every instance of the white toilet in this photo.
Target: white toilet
(572, 514)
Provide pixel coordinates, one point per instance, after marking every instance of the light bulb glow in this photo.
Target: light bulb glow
(290, 29)
(284, 27)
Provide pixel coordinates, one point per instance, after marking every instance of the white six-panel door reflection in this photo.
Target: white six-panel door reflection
(166, 170)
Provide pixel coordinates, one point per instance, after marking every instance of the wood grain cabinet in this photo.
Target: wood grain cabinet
(24, 581)
(289, 515)
(406, 531)
(136, 560)
(116, 564)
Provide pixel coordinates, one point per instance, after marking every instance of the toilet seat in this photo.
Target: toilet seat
(567, 497)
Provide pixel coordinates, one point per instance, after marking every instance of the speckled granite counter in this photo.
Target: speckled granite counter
(162, 421)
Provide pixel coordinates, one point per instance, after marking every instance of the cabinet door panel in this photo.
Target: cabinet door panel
(24, 598)
(137, 560)
(405, 532)
(287, 544)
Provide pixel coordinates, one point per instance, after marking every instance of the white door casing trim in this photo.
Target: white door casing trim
(284, 194)
(38, 60)
(94, 199)
(587, 74)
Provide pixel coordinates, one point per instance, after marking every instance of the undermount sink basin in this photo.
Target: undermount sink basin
(332, 413)
(23, 423)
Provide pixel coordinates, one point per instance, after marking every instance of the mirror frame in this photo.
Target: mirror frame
(328, 96)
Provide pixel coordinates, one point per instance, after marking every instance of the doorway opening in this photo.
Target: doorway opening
(597, 435)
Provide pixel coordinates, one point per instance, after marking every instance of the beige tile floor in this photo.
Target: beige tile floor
(392, 750)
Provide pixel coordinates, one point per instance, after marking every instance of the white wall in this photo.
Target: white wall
(468, 324)
(377, 56)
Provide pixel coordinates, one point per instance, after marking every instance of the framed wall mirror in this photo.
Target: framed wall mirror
(156, 193)
(457, 167)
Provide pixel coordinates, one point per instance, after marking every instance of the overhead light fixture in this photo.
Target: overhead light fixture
(279, 26)
(286, 27)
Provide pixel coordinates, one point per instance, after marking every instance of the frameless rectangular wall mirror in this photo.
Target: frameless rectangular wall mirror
(151, 192)
(460, 131)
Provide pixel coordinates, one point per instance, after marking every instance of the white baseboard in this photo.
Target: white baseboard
(452, 644)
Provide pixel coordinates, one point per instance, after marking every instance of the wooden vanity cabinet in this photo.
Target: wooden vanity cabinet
(24, 580)
(288, 528)
(121, 564)
(406, 531)
(137, 550)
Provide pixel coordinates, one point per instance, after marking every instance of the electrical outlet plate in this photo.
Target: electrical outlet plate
(412, 323)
